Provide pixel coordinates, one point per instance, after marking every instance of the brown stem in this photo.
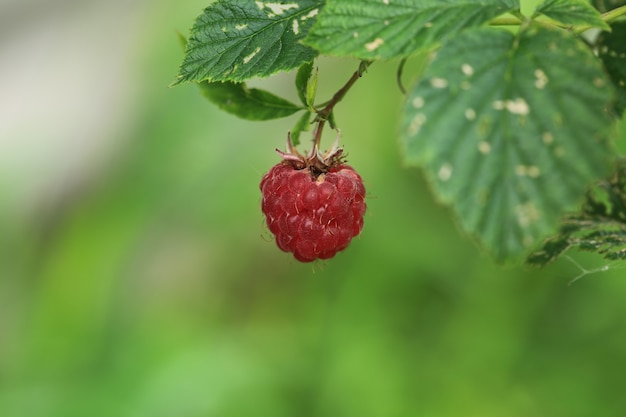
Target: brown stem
(324, 114)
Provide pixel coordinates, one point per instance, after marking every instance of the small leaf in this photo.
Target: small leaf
(512, 136)
(375, 29)
(311, 90)
(612, 51)
(247, 103)
(600, 226)
(572, 12)
(302, 125)
(306, 84)
(238, 40)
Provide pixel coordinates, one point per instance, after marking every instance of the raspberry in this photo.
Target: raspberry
(314, 205)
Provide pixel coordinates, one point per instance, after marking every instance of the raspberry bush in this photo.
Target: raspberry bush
(511, 118)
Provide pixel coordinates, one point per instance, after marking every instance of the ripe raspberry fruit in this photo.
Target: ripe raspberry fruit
(314, 205)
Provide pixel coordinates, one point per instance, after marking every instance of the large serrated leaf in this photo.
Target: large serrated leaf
(375, 29)
(247, 103)
(512, 136)
(572, 12)
(238, 40)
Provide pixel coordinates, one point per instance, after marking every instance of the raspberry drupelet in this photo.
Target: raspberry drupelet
(314, 204)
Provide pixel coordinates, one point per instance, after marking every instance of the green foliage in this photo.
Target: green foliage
(600, 227)
(572, 12)
(510, 126)
(235, 41)
(375, 29)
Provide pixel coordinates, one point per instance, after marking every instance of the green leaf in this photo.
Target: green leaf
(302, 125)
(510, 137)
(374, 29)
(612, 52)
(238, 40)
(306, 84)
(247, 103)
(600, 226)
(572, 12)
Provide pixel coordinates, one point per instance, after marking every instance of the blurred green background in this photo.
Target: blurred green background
(137, 277)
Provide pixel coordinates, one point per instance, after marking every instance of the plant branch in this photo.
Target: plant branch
(518, 19)
(505, 21)
(325, 114)
(612, 15)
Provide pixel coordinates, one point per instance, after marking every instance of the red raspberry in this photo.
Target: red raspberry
(314, 205)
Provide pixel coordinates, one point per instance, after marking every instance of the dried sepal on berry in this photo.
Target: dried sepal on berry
(315, 159)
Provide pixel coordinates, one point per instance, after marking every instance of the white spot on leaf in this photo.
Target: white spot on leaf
(467, 69)
(470, 114)
(248, 58)
(418, 102)
(276, 8)
(376, 43)
(527, 214)
(531, 171)
(295, 26)
(241, 27)
(517, 106)
(484, 147)
(310, 14)
(541, 79)
(439, 82)
(445, 172)
(416, 123)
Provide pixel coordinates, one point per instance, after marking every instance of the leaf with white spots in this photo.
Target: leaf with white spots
(375, 29)
(612, 51)
(238, 40)
(247, 103)
(512, 136)
(572, 12)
